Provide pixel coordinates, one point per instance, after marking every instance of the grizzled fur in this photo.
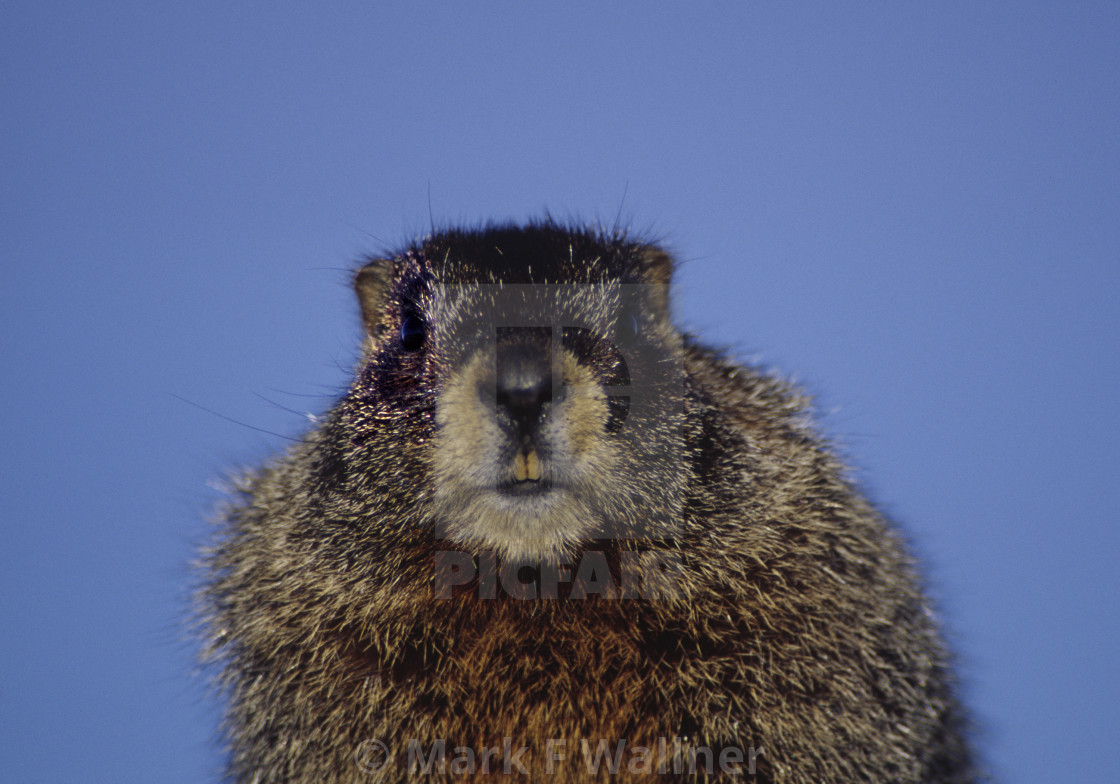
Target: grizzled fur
(777, 612)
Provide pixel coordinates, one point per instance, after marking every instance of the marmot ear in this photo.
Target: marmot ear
(657, 270)
(372, 284)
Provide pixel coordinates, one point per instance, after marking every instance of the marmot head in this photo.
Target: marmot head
(528, 381)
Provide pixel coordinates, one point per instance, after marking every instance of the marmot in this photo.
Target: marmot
(545, 532)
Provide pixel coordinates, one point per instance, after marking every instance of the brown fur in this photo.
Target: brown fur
(755, 599)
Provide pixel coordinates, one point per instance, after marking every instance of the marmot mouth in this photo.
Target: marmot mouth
(526, 465)
(526, 475)
(524, 488)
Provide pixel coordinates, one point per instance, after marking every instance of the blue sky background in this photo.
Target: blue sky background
(912, 208)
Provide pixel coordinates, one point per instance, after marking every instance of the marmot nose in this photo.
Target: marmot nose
(524, 376)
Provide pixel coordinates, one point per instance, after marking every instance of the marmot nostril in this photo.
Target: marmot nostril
(525, 404)
(524, 380)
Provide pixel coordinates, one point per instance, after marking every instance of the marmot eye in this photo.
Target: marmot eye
(628, 329)
(413, 332)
